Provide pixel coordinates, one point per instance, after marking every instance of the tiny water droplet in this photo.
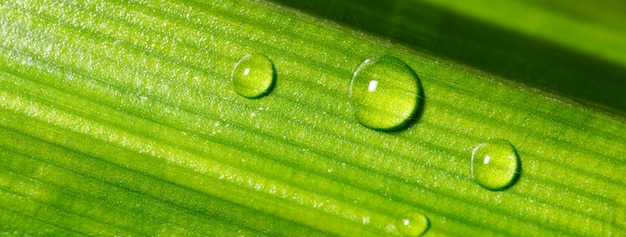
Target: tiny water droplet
(413, 224)
(385, 93)
(495, 164)
(253, 76)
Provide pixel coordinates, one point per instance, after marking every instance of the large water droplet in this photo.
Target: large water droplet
(495, 164)
(253, 76)
(385, 93)
(413, 224)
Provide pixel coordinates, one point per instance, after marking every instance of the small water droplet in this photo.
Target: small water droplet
(495, 164)
(413, 224)
(385, 93)
(253, 76)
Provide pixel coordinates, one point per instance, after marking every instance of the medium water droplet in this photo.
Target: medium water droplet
(413, 224)
(495, 164)
(385, 93)
(253, 76)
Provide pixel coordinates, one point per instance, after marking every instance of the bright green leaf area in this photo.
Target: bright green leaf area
(120, 118)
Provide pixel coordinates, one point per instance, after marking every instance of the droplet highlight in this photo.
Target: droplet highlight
(495, 165)
(413, 224)
(385, 93)
(253, 76)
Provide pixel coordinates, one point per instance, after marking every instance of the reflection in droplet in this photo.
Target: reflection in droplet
(495, 164)
(385, 93)
(253, 76)
(413, 224)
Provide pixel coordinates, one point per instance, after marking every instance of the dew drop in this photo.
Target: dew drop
(253, 76)
(495, 164)
(413, 224)
(385, 93)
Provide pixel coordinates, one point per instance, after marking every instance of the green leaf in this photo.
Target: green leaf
(120, 118)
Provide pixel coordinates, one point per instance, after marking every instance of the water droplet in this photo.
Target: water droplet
(495, 164)
(413, 224)
(253, 76)
(385, 93)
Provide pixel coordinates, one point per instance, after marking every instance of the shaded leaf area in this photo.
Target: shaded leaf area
(522, 58)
